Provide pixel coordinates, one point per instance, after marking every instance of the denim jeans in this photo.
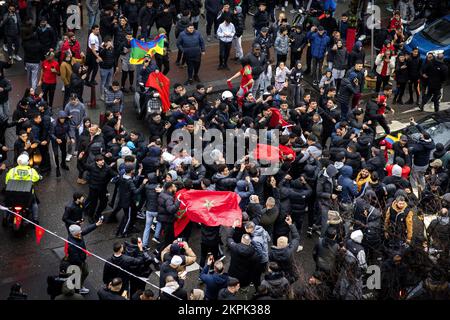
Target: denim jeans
(105, 79)
(92, 17)
(149, 217)
(4, 108)
(32, 74)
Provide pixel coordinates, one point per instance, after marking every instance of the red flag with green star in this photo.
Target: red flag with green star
(162, 84)
(211, 208)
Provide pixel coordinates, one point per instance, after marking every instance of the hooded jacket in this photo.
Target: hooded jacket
(244, 190)
(349, 187)
(299, 195)
(399, 222)
(214, 282)
(325, 185)
(357, 54)
(347, 90)
(151, 196)
(277, 285)
(167, 207)
(260, 241)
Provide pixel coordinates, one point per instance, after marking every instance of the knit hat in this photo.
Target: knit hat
(334, 217)
(162, 31)
(404, 138)
(176, 261)
(74, 229)
(131, 145)
(396, 170)
(357, 236)
(238, 9)
(125, 151)
(264, 29)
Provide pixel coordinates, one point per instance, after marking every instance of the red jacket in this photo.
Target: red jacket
(75, 49)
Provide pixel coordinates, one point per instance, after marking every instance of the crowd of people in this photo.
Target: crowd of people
(362, 199)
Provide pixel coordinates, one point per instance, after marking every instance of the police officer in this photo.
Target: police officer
(23, 172)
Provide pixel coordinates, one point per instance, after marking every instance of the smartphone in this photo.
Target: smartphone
(102, 218)
(180, 239)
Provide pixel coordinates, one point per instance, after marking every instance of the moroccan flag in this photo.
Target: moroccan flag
(161, 83)
(277, 119)
(141, 48)
(270, 153)
(39, 231)
(266, 152)
(211, 208)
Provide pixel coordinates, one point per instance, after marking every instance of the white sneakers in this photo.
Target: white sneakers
(17, 58)
(68, 157)
(299, 248)
(84, 290)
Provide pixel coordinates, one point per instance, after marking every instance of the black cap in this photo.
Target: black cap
(320, 28)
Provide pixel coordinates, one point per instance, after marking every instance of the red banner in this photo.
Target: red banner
(273, 154)
(211, 208)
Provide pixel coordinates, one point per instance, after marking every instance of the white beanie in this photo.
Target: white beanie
(176, 261)
(397, 170)
(357, 236)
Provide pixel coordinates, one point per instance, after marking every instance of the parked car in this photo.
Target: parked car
(433, 38)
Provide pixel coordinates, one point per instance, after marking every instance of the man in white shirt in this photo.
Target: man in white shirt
(225, 33)
(93, 58)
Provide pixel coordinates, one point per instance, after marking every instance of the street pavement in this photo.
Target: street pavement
(22, 260)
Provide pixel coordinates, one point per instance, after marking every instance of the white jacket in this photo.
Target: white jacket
(379, 63)
(226, 32)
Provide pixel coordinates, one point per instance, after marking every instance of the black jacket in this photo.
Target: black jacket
(225, 294)
(151, 196)
(131, 11)
(146, 17)
(210, 235)
(47, 37)
(76, 256)
(414, 67)
(193, 6)
(260, 19)
(128, 192)
(99, 177)
(346, 91)
(106, 294)
(167, 207)
(238, 21)
(196, 174)
(125, 262)
(401, 74)
(258, 64)
(107, 57)
(243, 259)
(437, 73)
(72, 213)
(285, 256)
(165, 19)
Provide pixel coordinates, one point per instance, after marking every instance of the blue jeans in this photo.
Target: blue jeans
(105, 79)
(149, 217)
(32, 74)
(92, 16)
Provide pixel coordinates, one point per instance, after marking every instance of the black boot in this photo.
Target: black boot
(58, 173)
(64, 166)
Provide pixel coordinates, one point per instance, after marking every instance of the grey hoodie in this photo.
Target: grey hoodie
(260, 241)
(77, 113)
